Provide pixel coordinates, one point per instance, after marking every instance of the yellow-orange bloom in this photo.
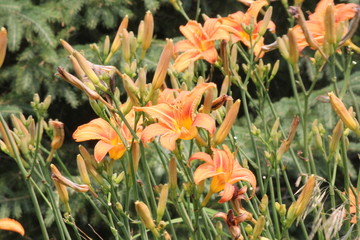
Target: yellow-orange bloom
(234, 25)
(353, 205)
(200, 43)
(177, 119)
(9, 224)
(110, 142)
(224, 170)
(316, 23)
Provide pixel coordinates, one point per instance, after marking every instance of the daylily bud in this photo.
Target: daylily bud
(88, 70)
(298, 207)
(133, 43)
(3, 45)
(275, 69)
(274, 131)
(117, 40)
(126, 45)
(167, 236)
(249, 229)
(335, 138)
(233, 57)
(162, 202)
(62, 191)
(106, 47)
(220, 101)
(140, 34)
(59, 135)
(264, 204)
(142, 81)
(9, 224)
(175, 4)
(259, 227)
(146, 218)
(119, 177)
(135, 153)
(58, 177)
(228, 122)
(224, 55)
(162, 67)
(293, 50)
(329, 22)
(283, 49)
(343, 113)
(317, 136)
(67, 46)
(208, 101)
(82, 169)
(148, 32)
(265, 22)
(131, 89)
(172, 174)
(285, 145)
(225, 86)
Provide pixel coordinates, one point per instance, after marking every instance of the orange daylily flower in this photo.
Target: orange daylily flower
(316, 24)
(200, 43)
(234, 25)
(9, 224)
(110, 142)
(177, 119)
(352, 200)
(224, 170)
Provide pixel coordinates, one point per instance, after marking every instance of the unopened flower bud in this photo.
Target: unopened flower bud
(343, 113)
(146, 218)
(293, 50)
(162, 202)
(259, 227)
(59, 134)
(228, 122)
(225, 86)
(329, 23)
(265, 22)
(264, 204)
(62, 191)
(283, 48)
(3, 45)
(126, 45)
(162, 67)
(249, 229)
(335, 138)
(67, 46)
(172, 174)
(285, 145)
(148, 32)
(88, 70)
(117, 40)
(135, 154)
(82, 169)
(140, 34)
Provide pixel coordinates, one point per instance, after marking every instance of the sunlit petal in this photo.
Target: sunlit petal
(227, 194)
(205, 121)
(101, 149)
(168, 140)
(9, 224)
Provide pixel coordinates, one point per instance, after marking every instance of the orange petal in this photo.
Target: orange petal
(210, 55)
(243, 174)
(192, 99)
(96, 129)
(168, 140)
(255, 8)
(101, 149)
(227, 194)
(152, 131)
(205, 121)
(163, 112)
(184, 59)
(204, 171)
(201, 156)
(9, 224)
(183, 46)
(192, 30)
